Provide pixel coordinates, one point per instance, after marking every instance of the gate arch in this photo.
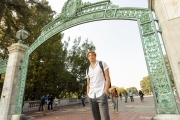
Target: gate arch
(74, 13)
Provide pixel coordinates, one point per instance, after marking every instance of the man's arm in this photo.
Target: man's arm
(107, 81)
(88, 82)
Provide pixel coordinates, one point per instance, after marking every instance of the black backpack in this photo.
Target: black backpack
(101, 66)
(43, 100)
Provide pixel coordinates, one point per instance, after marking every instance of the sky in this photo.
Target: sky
(117, 43)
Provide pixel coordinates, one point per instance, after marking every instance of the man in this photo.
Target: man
(50, 105)
(83, 100)
(97, 87)
(125, 96)
(79, 98)
(41, 103)
(131, 96)
(46, 104)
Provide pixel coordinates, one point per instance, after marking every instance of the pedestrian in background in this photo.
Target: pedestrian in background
(141, 94)
(42, 100)
(120, 95)
(79, 99)
(125, 96)
(50, 105)
(55, 103)
(46, 104)
(115, 100)
(83, 100)
(131, 96)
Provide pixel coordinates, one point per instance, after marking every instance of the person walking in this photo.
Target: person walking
(55, 103)
(131, 96)
(79, 99)
(42, 100)
(125, 96)
(141, 96)
(83, 100)
(120, 95)
(50, 105)
(115, 100)
(45, 104)
(98, 82)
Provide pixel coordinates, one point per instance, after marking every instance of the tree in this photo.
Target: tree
(16, 14)
(145, 85)
(46, 69)
(53, 68)
(133, 89)
(56, 70)
(78, 63)
(120, 90)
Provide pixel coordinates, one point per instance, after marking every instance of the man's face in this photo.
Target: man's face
(91, 57)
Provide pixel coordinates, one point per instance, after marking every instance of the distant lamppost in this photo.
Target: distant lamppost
(21, 35)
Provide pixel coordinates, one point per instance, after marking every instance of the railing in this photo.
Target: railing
(34, 105)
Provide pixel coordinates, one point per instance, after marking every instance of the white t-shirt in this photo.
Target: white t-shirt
(97, 80)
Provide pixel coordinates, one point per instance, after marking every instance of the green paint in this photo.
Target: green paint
(3, 66)
(80, 13)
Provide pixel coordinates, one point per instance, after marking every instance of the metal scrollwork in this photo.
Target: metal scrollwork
(74, 12)
(3, 65)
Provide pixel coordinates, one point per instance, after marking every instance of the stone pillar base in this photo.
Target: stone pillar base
(166, 117)
(18, 117)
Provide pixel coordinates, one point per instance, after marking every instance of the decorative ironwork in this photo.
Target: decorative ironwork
(3, 65)
(75, 12)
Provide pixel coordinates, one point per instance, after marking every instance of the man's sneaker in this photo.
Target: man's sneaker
(44, 114)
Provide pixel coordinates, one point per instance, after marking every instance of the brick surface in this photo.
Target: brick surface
(127, 111)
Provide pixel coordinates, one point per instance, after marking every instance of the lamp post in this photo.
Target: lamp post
(21, 35)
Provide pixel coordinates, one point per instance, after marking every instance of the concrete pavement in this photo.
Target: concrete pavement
(127, 111)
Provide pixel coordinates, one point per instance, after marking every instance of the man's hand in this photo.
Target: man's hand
(106, 92)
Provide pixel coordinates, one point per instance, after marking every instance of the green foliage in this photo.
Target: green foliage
(57, 70)
(53, 67)
(133, 89)
(120, 90)
(16, 14)
(145, 85)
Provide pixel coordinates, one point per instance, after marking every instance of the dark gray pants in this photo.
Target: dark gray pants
(99, 107)
(115, 103)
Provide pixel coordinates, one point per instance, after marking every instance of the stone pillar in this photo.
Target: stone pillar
(168, 13)
(12, 81)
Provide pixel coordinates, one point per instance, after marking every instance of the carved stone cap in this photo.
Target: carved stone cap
(151, 4)
(18, 47)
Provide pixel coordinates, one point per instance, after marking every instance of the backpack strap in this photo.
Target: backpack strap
(101, 66)
(87, 70)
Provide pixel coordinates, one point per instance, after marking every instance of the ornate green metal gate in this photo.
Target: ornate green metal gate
(3, 65)
(75, 12)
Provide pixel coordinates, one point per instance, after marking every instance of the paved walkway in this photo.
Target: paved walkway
(127, 111)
